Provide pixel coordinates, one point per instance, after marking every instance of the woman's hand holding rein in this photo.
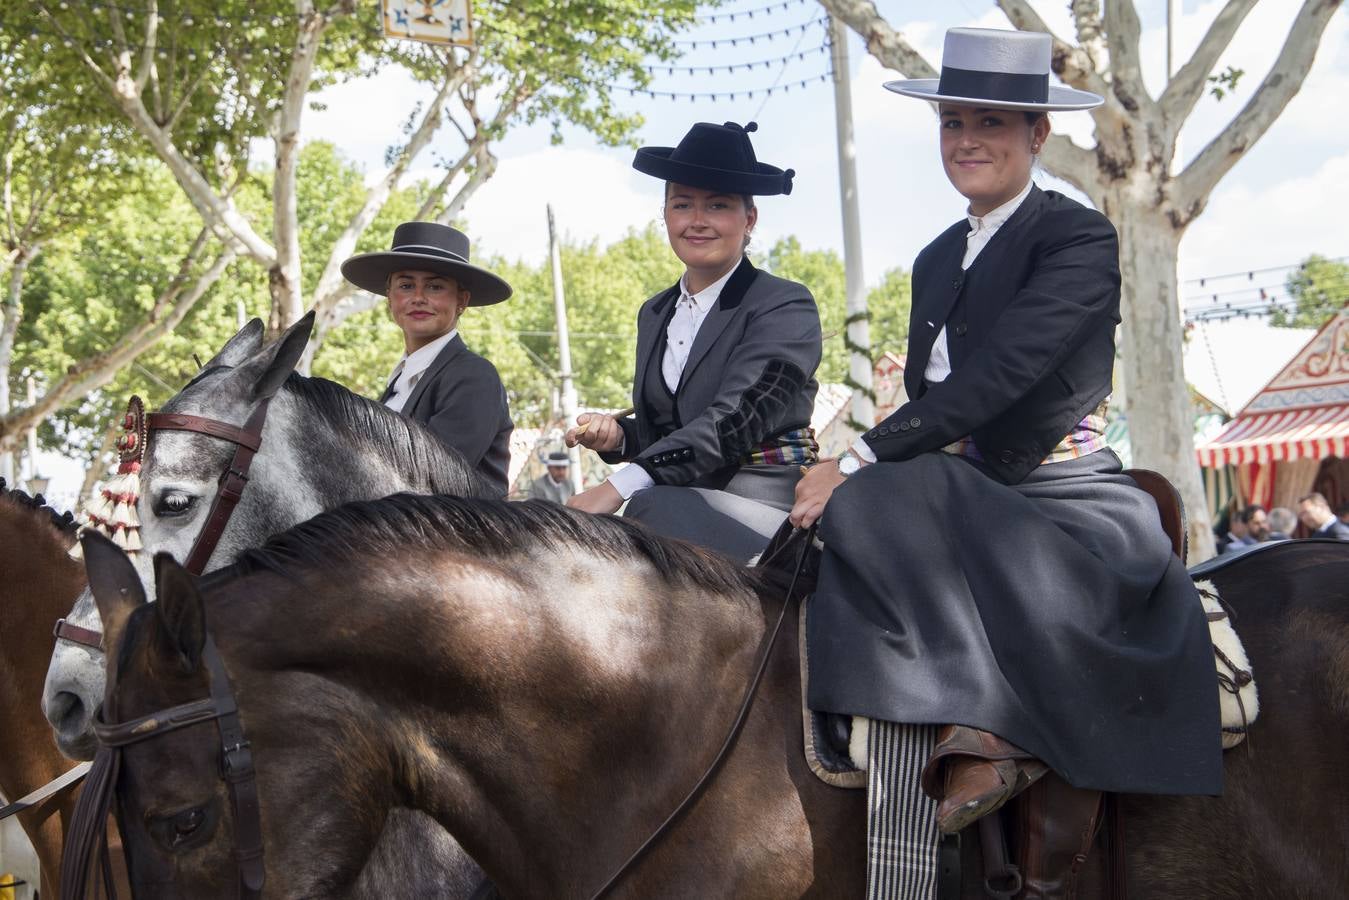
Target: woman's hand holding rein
(595, 431)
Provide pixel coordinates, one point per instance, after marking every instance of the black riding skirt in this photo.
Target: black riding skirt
(1051, 612)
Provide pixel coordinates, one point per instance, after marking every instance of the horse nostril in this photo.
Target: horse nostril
(66, 712)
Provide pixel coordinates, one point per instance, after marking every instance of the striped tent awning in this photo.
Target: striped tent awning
(1312, 433)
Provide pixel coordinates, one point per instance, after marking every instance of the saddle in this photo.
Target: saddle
(1170, 508)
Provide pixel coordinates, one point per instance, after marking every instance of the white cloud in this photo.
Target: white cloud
(1249, 227)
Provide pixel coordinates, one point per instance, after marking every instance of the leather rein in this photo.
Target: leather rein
(236, 758)
(230, 488)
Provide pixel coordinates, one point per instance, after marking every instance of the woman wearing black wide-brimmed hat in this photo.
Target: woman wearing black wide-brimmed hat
(1012, 601)
(726, 358)
(439, 382)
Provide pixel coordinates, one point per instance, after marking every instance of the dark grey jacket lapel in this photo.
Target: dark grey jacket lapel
(447, 353)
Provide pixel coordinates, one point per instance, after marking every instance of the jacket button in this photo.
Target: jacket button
(961, 329)
(903, 426)
(874, 433)
(1006, 456)
(915, 422)
(955, 285)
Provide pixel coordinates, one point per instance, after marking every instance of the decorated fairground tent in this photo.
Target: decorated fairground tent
(1293, 437)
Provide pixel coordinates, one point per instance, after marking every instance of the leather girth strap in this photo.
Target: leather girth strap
(233, 480)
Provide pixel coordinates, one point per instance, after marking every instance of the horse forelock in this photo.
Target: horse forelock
(407, 526)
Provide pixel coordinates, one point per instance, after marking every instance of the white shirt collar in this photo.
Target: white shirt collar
(420, 359)
(992, 220)
(708, 296)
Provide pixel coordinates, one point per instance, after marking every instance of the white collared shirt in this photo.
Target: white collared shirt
(689, 314)
(412, 367)
(982, 229)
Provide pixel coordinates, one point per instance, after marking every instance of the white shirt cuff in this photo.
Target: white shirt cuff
(864, 451)
(630, 479)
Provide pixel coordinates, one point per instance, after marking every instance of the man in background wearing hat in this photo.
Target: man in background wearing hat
(555, 484)
(439, 382)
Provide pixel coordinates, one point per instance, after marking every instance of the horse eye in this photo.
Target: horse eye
(186, 823)
(186, 829)
(173, 504)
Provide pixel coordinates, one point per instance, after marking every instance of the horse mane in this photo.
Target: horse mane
(493, 529)
(406, 444)
(62, 523)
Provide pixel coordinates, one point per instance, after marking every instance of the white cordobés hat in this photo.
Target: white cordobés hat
(996, 68)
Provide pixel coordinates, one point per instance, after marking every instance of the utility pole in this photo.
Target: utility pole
(564, 350)
(857, 336)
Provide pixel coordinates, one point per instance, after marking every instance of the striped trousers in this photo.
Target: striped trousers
(902, 838)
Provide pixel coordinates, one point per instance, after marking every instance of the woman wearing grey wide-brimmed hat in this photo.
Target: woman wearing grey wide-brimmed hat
(439, 382)
(991, 579)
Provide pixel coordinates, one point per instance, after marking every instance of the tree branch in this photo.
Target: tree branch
(287, 290)
(1126, 71)
(1187, 86)
(1283, 81)
(1090, 32)
(151, 35)
(331, 279)
(1075, 165)
(883, 41)
(172, 305)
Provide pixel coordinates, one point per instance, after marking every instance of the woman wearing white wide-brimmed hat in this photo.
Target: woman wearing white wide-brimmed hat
(1013, 601)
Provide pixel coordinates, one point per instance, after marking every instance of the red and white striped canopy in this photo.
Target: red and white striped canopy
(1313, 433)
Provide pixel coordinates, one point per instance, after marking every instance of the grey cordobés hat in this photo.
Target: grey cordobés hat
(996, 68)
(427, 247)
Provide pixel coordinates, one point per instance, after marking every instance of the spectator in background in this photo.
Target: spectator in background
(1314, 511)
(1282, 523)
(1250, 527)
(555, 484)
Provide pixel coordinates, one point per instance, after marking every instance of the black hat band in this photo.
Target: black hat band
(428, 250)
(1003, 87)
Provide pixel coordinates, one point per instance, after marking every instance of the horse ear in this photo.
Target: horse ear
(269, 368)
(113, 581)
(240, 347)
(182, 619)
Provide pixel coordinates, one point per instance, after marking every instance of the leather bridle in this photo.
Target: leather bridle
(236, 768)
(230, 487)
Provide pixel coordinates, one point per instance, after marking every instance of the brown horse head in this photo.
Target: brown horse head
(170, 786)
(38, 582)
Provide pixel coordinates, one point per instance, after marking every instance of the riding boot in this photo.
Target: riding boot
(1058, 824)
(971, 773)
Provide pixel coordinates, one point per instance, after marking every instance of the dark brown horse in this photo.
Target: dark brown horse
(548, 685)
(38, 582)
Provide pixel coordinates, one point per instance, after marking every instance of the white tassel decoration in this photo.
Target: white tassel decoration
(133, 541)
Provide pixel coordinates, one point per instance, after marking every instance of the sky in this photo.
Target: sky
(1282, 201)
(1296, 177)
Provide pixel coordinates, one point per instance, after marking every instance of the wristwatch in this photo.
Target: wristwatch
(848, 463)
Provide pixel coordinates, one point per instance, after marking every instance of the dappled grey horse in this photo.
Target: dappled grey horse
(322, 446)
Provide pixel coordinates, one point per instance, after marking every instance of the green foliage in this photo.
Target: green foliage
(1321, 288)
(1225, 81)
(94, 284)
(822, 271)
